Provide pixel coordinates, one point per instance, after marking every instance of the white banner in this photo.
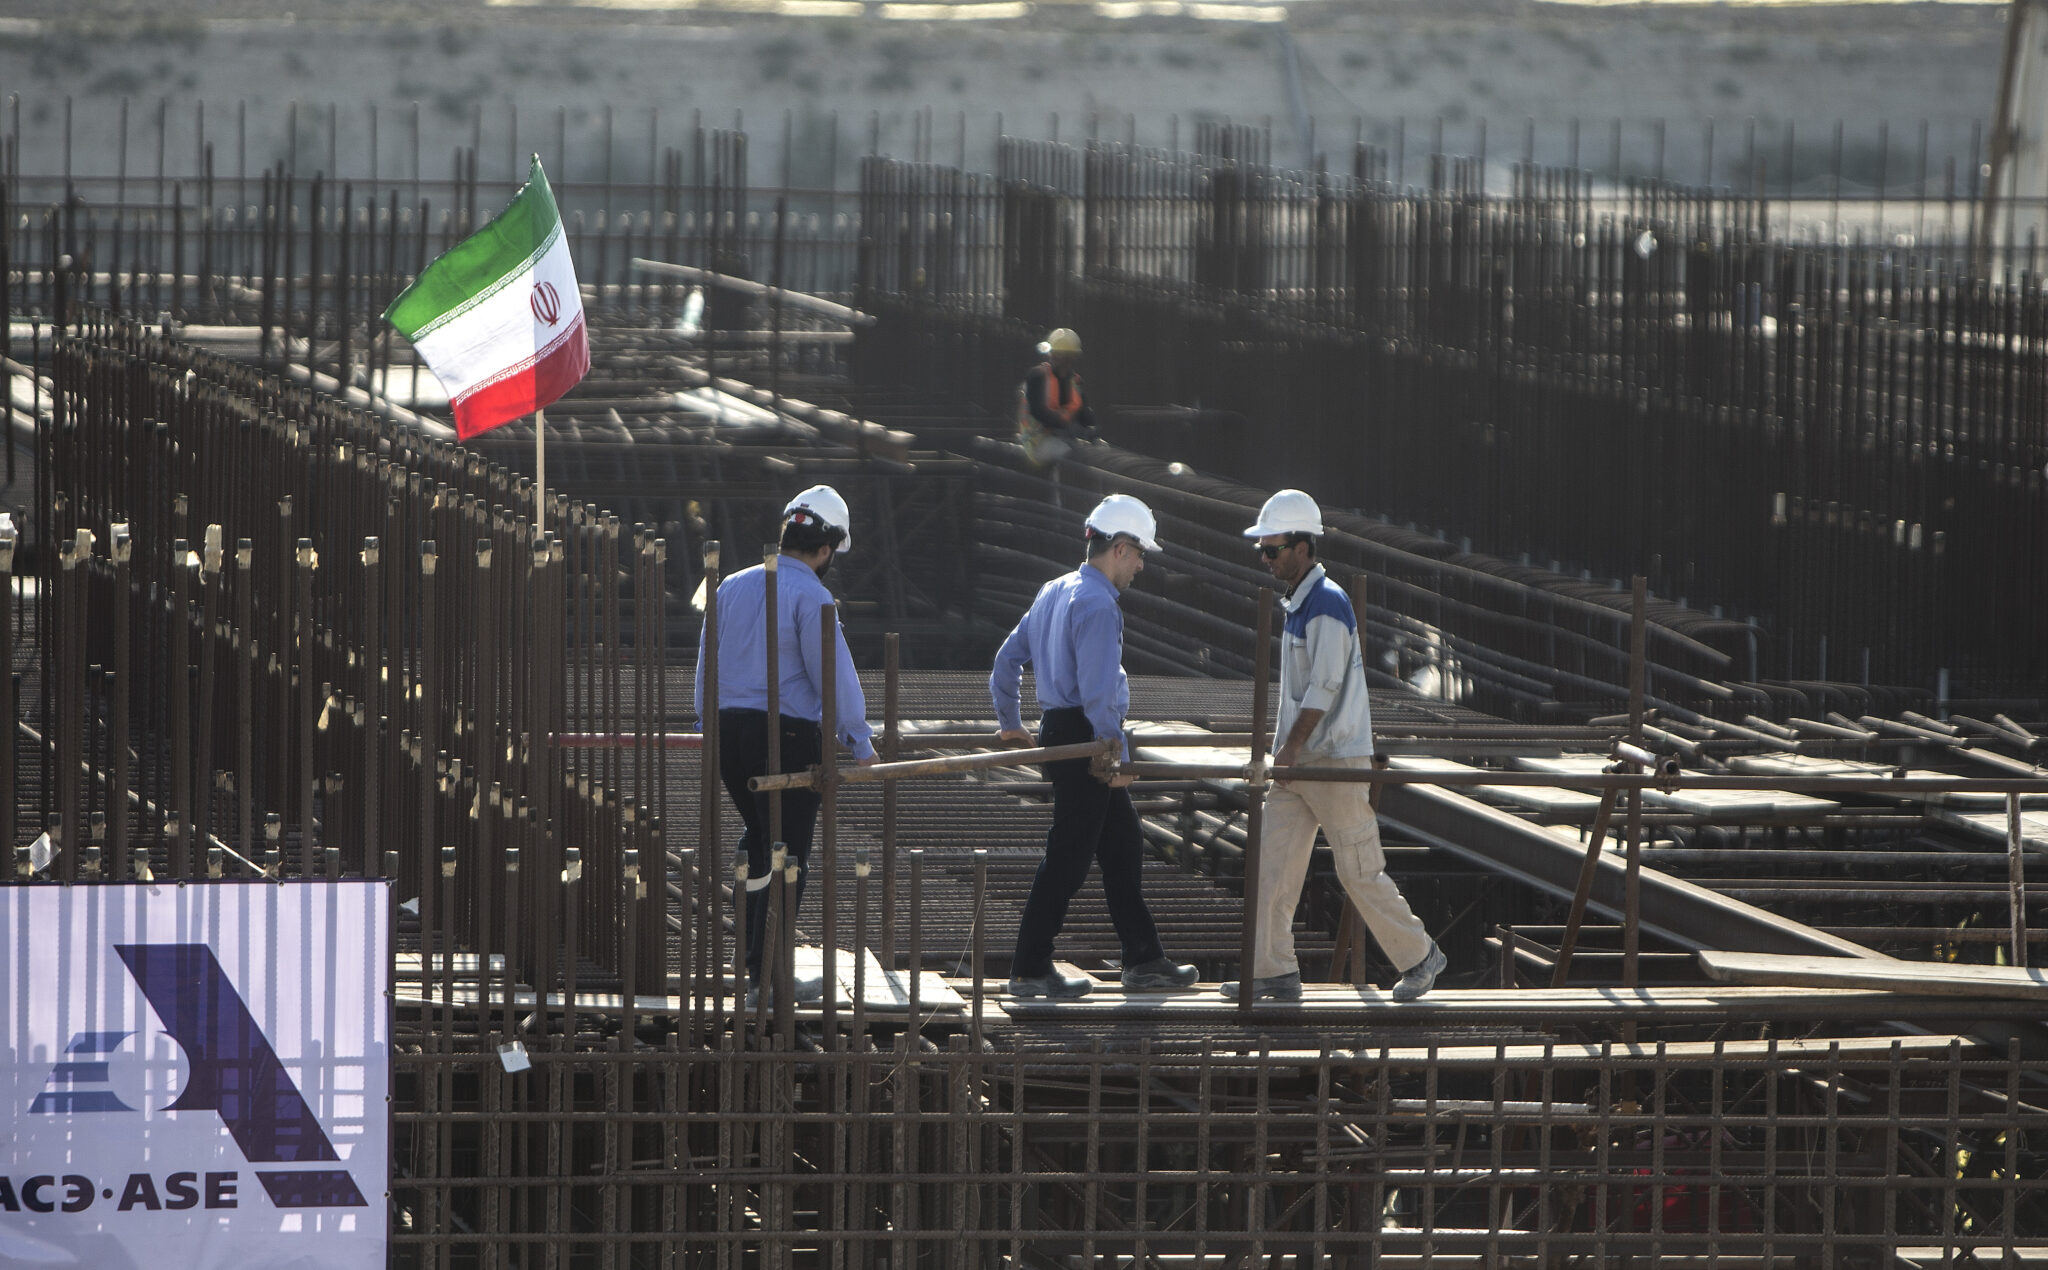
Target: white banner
(195, 1076)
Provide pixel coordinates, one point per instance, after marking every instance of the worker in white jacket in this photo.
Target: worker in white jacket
(1325, 720)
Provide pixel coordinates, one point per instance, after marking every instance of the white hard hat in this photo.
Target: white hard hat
(821, 504)
(1288, 512)
(1060, 341)
(1122, 514)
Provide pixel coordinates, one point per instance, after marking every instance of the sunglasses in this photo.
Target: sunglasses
(1272, 550)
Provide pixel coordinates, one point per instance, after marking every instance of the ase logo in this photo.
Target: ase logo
(234, 1072)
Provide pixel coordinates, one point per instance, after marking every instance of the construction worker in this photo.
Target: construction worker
(814, 529)
(1050, 411)
(1073, 638)
(1325, 720)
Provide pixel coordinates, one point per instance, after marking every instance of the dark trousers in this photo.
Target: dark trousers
(1091, 823)
(743, 755)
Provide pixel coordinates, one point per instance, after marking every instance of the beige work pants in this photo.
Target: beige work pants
(1288, 838)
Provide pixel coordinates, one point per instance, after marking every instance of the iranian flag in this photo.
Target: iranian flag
(498, 318)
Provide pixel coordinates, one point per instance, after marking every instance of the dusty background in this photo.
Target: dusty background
(516, 77)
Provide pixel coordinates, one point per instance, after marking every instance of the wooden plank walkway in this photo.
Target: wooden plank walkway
(1534, 797)
(1992, 826)
(1763, 987)
(1856, 1048)
(1805, 766)
(884, 992)
(1842, 1051)
(1732, 803)
(1342, 1004)
(1922, 978)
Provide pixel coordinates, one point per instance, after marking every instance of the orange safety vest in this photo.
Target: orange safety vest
(1063, 400)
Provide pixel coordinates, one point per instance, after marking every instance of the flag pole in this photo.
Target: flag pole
(540, 470)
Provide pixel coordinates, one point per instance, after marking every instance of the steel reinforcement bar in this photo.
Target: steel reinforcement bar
(1836, 438)
(279, 637)
(1022, 1152)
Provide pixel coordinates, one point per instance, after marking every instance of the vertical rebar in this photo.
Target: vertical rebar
(121, 552)
(828, 817)
(372, 688)
(308, 672)
(179, 806)
(2016, 878)
(710, 921)
(1254, 822)
(1633, 883)
(210, 564)
(892, 645)
(246, 651)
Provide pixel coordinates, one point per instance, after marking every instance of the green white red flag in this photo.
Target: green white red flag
(497, 317)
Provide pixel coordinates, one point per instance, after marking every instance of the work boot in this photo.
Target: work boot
(1285, 987)
(1421, 977)
(1160, 974)
(1051, 984)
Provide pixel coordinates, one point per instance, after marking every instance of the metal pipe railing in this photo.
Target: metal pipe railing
(1636, 772)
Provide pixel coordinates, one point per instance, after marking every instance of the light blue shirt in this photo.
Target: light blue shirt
(743, 652)
(1073, 639)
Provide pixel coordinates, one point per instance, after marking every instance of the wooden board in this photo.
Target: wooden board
(1732, 803)
(1343, 1004)
(1938, 1258)
(1536, 797)
(1920, 978)
(407, 964)
(1863, 1048)
(464, 996)
(1992, 825)
(1802, 766)
(1859, 1051)
(883, 992)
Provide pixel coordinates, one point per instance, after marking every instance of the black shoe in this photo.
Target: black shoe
(1421, 977)
(1160, 974)
(1051, 984)
(1285, 987)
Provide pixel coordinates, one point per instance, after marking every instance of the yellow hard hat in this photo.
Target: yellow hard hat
(1061, 341)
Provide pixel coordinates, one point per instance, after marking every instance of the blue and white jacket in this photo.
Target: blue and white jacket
(1322, 668)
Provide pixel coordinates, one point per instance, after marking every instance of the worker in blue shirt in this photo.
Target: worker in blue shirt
(1073, 638)
(814, 528)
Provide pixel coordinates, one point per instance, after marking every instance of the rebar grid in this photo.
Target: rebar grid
(1834, 438)
(1567, 372)
(1838, 1154)
(395, 644)
(704, 1143)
